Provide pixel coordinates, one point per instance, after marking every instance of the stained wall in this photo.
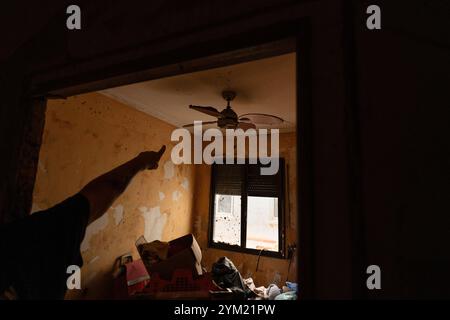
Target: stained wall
(89, 134)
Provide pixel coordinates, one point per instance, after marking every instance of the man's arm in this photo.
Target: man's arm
(105, 189)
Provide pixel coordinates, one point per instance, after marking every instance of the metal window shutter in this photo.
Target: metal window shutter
(263, 185)
(229, 178)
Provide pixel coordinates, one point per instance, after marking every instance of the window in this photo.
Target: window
(246, 212)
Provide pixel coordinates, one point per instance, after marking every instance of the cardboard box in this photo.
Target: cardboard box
(183, 253)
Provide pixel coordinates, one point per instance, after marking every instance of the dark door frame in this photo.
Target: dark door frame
(293, 36)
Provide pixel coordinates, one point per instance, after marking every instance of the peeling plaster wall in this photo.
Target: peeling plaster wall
(89, 134)
(270, 270)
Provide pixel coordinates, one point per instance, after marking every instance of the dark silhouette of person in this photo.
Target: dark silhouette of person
(36, 250)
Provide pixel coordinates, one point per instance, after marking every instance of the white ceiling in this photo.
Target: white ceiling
(262, 86)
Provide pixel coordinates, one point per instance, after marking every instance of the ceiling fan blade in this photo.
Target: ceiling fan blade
(203, 123)
(262, 118)
(208, 110)
(245, 125)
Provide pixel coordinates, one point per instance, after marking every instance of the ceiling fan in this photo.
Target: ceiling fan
(228, 119)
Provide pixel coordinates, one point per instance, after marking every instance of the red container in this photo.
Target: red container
(181, 281)
(134, 280)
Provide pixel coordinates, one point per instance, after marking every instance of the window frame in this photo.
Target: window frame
(281, 253)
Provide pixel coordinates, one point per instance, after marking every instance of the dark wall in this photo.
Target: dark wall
(403, 76)
(377, 144)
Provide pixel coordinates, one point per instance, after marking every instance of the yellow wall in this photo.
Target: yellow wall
(270, 270)
(89, 134)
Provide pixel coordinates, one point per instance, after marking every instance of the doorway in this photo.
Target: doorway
(243, 54)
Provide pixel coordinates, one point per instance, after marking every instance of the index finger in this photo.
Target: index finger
(161, 151)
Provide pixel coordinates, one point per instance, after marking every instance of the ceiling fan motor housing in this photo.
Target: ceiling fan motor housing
(227, 123)
(229, 118)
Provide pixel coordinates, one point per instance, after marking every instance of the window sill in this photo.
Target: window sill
(256, 252)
